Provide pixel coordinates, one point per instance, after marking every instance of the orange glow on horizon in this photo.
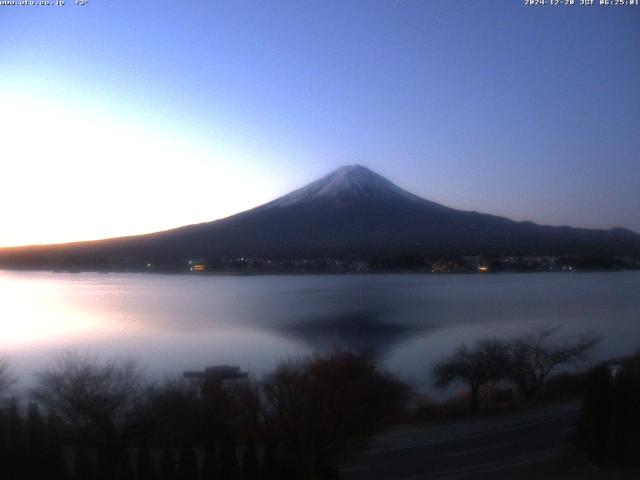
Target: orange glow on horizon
(87, 172)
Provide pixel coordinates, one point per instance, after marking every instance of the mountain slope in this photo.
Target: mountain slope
(352, 211)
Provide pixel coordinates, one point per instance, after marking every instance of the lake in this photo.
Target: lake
(173, 323)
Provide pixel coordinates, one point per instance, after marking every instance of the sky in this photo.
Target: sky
(120, 117)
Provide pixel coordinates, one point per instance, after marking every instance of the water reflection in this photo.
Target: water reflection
(33, 313)
(365, 330)
(177, 322)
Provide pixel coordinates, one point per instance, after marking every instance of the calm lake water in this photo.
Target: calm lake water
(173, 323)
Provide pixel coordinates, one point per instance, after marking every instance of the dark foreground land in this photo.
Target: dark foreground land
(325, 417)
(532, 444)
(521, 444)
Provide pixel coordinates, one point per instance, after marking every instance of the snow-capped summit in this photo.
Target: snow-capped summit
(348, 183)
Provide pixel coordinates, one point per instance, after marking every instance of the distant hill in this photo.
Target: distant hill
(351, 212)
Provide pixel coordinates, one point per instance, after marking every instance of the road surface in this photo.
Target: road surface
(516, 445)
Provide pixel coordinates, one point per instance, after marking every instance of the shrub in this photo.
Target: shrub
(611, 415)
(326, 405)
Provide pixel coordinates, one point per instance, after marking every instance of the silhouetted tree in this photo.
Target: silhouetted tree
(230, 406)
(535, 355)
(596, 413)
(250, 466)
(5, 459)
(245, 407)
(82, 465)
(6, 380)
(145, 469)
(124, 469)
(326, 405)
(36, 444)
(229, 469)
(56, 463)
(210, 466)
(610, 416)
(17, 442)
(85, 391)
(167, 470)
(485, 362)
(187, 464)
(171, 410)
(625, 421)
(269, 464)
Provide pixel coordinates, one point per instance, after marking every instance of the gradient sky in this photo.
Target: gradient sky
(123, 117)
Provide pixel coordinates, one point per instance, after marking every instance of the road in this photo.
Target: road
(513, 445)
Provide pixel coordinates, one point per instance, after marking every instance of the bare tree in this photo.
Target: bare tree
(535, 355)
(85, 391)
(170, 408)
(327, 404)
(6, 380)
(486, 361)
(88, 392)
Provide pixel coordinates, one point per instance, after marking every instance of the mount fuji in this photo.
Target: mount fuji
(350, 212)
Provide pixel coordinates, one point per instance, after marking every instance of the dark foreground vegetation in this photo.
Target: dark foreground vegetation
(526, 362)
(610, 423)
(101, 420)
